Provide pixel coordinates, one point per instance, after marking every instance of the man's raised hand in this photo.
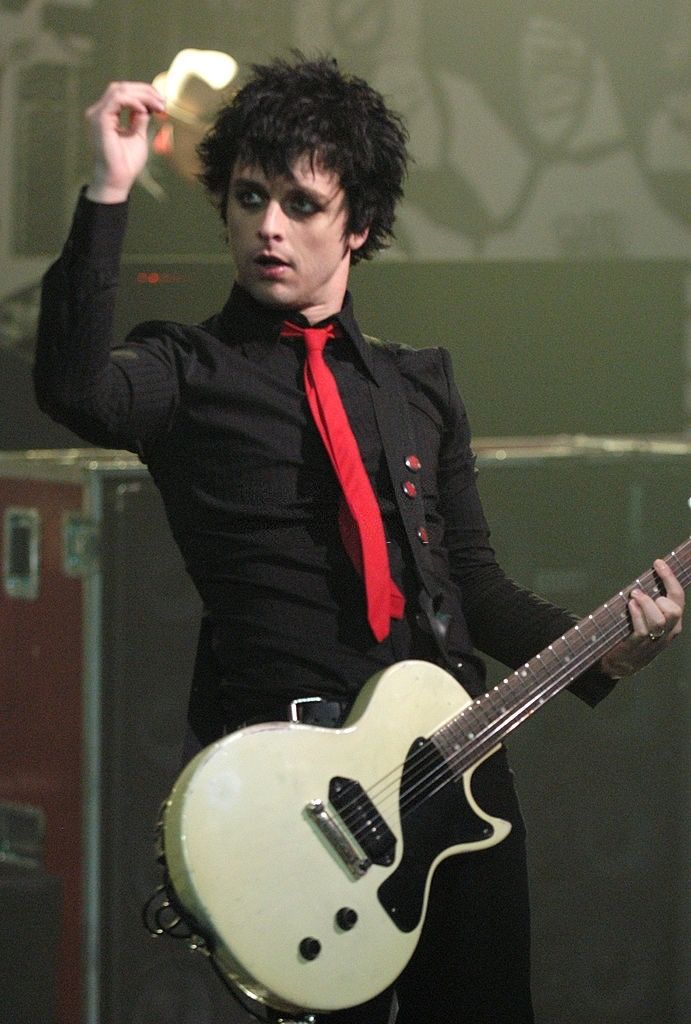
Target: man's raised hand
(119, 121)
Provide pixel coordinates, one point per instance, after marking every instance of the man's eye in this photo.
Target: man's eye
(248, 198)
(303, 205)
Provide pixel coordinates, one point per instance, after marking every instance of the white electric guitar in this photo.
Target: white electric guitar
(303, 855)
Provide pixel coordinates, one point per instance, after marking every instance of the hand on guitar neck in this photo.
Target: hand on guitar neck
(655, 621)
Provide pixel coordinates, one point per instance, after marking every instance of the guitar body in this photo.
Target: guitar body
(290, 920)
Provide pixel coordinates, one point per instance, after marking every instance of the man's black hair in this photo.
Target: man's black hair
(309, 107)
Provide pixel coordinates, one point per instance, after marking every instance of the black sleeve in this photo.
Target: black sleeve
(110, 396)
(506, 621)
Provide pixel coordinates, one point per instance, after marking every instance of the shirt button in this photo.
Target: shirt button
(409, 489)
(413, 463)
(423, 535)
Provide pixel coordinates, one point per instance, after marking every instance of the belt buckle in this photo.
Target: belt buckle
(294, 712)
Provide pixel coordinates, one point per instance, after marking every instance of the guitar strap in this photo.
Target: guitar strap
(392, 413)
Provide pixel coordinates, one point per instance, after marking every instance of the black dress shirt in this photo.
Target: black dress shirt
(218, 413)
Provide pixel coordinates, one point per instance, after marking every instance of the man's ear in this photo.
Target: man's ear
(358, 239)
(162, 144)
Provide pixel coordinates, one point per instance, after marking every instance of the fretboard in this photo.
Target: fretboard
(483, 724)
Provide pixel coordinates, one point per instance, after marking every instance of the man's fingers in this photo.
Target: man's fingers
(137, 97)
(673, 588)
(653, 618)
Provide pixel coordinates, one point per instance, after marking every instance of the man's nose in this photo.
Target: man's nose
(272, 223)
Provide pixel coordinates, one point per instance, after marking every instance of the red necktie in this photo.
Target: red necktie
(359, 517)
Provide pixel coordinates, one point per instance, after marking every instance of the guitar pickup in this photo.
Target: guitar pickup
(362, 819)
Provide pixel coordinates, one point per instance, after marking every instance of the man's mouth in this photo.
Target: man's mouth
(270, 267)
(267, 260)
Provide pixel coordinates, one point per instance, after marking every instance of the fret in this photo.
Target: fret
(524, 672)
(615, 616)
(613, 625)
(598, 636)
(569, 656)
(575, 634)
(682, 568)
(463, 727)
(600, 623)
(561, 651)
(539, 667)
(674, 563)
(650, 584)
(584, 632)
(442, 741)
(550, 654)
(472, 715)
(530, 670)
(456, 742)
(498, 698)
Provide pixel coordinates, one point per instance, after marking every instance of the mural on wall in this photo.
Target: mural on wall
(546, 129)
(541, 130)
(552, 130)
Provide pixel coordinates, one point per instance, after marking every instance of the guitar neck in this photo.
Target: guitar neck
(465, 739)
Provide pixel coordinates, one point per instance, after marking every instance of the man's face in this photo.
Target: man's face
(555, 74)
(288, 238)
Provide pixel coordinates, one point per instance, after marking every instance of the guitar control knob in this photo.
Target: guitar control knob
(346, 918)
(310, 948)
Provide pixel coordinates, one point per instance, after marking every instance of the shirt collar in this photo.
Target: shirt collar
(256, 328)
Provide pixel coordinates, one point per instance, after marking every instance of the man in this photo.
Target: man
(306, 165)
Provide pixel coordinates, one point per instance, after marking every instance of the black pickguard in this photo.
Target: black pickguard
(444, 818)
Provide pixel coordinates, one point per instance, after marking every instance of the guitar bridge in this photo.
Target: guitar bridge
(359, 820)
(355, 863)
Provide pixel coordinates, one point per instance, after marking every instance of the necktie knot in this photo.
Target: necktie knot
(315, 338)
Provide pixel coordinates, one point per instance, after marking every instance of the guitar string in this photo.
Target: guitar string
(440, 774)
(522, 704)
(519, 711)
(644, 582)
(409, 799)
(428, 758)
(483, 742)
